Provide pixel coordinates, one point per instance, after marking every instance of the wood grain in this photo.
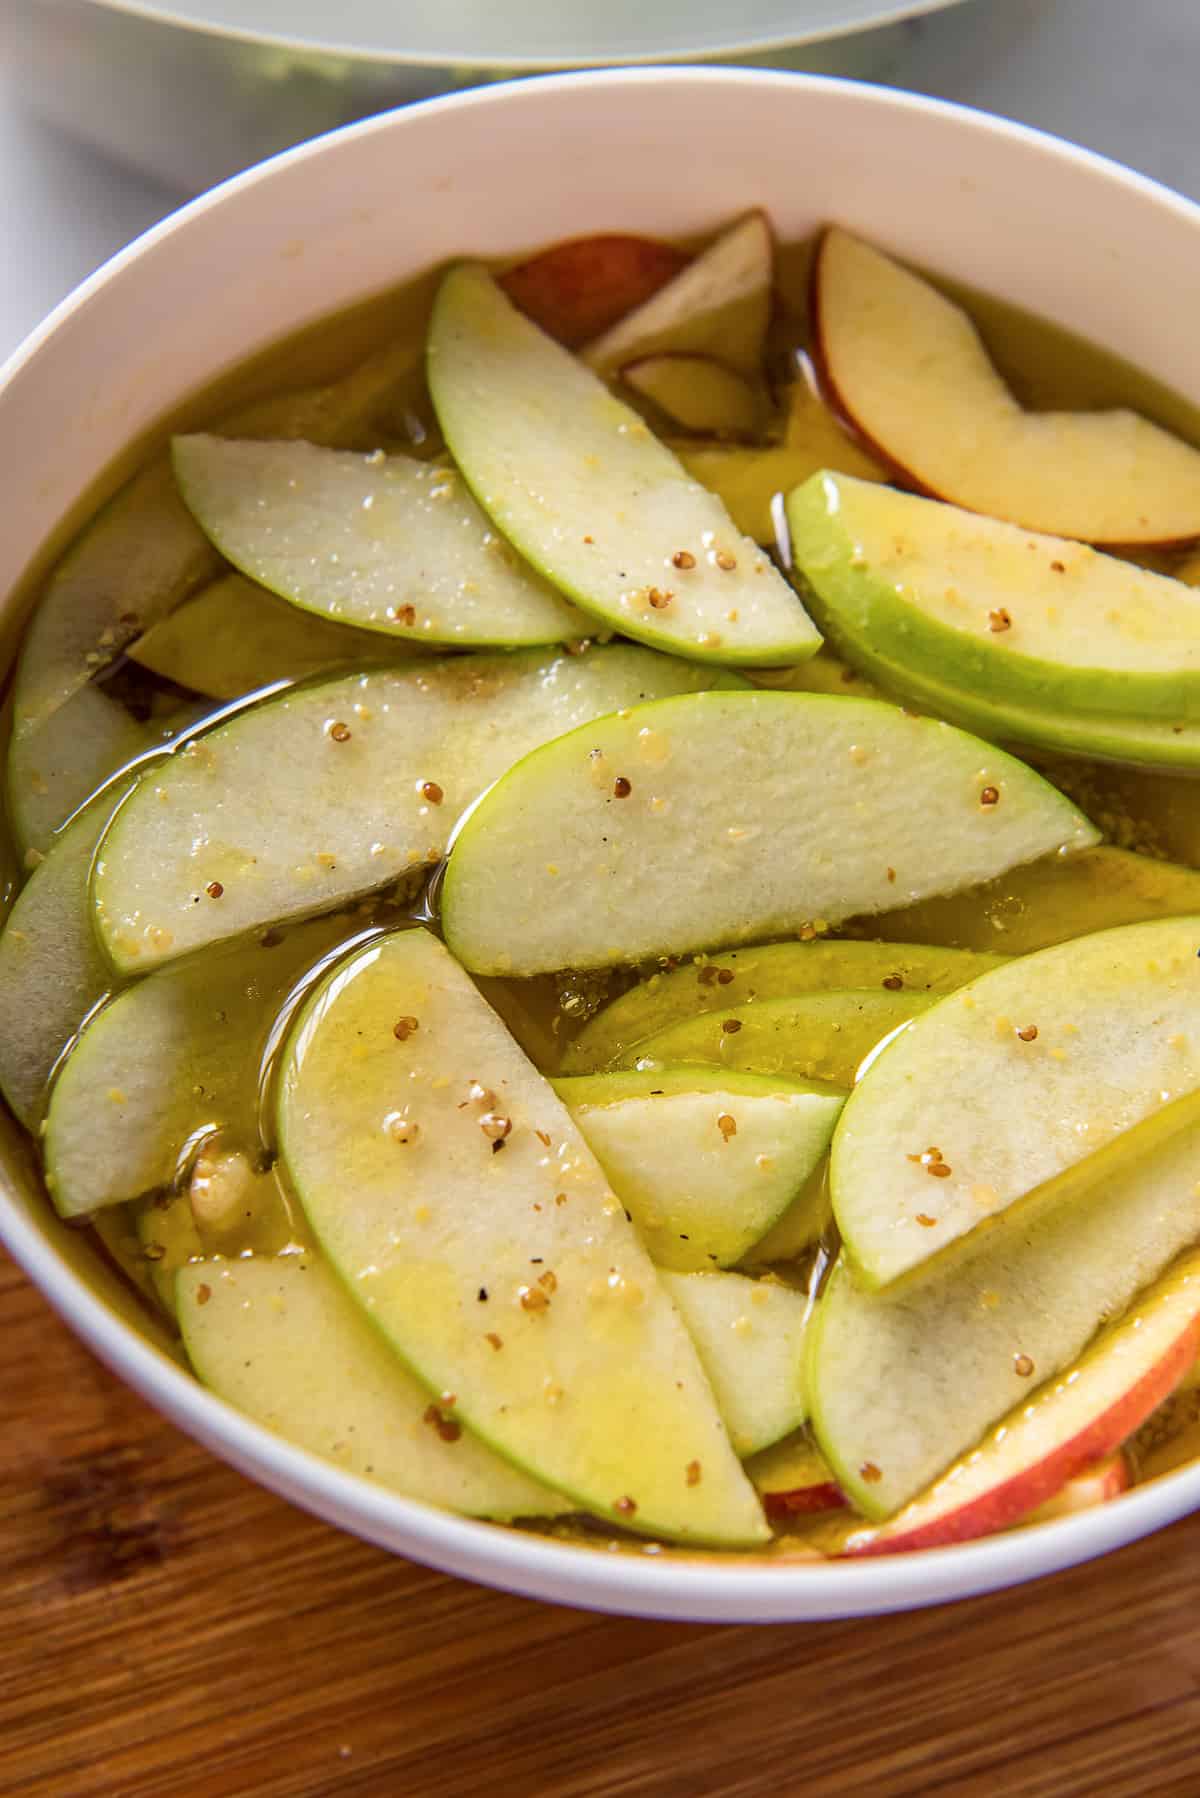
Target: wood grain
(168, 1628)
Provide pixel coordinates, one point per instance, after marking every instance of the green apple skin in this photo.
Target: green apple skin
(1040, 623)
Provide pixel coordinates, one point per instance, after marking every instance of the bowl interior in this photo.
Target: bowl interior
(536, 33)
(1023, 216)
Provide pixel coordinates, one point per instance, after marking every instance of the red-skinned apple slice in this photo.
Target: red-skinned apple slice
(794, 1480)
(1096, 1485)
(1072, 1422)
(580, 289)
(908, 369)
(719, 305)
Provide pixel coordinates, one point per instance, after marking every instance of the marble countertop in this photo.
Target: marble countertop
(1118, 78)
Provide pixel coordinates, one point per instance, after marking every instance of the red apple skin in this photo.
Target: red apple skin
(1094, 1486)
(577, 290)
(803, 1501)
(1012, 1499)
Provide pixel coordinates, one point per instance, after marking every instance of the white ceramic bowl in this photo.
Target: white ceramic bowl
(1021, 215)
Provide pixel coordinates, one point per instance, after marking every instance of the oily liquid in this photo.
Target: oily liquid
(1154, 814)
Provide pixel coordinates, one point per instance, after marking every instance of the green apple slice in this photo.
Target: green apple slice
(235, 637)
(903, 1382)
(52, 971)
(580, 486)
(166, 1063)
(767, 971)
(1048, 902)
(1039, 621)
(1068, 1426)
(695, 823)
(230, 1206)
(909, 369)
(280, 1339)
(706, 1162)
(144, 553)
(806, 1219)
(387, 543)
(507, 1277)
(749, 1335)
(719, 304)
(810, 1036)
(1008, 1084)
(54, 771)
(331, 790)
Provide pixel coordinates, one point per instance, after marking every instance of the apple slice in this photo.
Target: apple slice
(1037, 621)
(804, 1222)
(677, 826)
(452, 1193)
(1073, 1420)
(55, 770)
(163, 1063)
(749, 1335)
(908, 368)
(1005, 1088)
(902, 1382)
(52, 972)
(235, 637)
(387, 543)
(1096, 1485)
(719, 304)
(326, 792)
(767, 971)
(706, 1162)
(279, 1339)
(810, 1036)
(578, 289)
(1048, 902)
(229, 1206)
(793, 1479)
(699, 393)
(144, 553)
(579, 485)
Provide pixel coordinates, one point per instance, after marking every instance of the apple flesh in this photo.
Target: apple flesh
(509, 1277)
(1003, 1091)
(903, 1382)
(749, 1335)
(706, 1162)
(1071, 1422)
(235, 637)
(793, 1479)
(579, 289)
(336, 788)
(579, 485)
(1096, 1485)
(718, 305)
(810, 1036)
(280, 1339)
(1036, 622)
(390, 544)
(676, 827)
(767, 971)
(909, 370)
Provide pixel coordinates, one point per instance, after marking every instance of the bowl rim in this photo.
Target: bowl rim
(721, 1587)
(882, 13)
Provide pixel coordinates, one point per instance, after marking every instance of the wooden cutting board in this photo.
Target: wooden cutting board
(168, 1630)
